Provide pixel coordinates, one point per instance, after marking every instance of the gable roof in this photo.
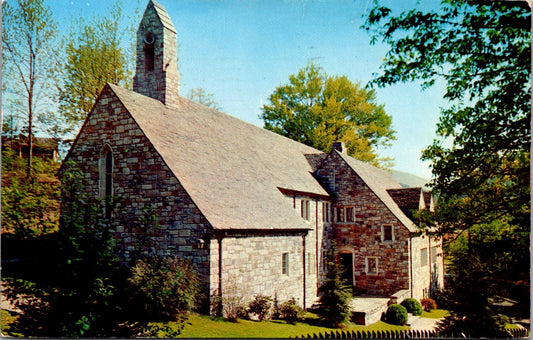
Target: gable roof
(379, 181)
(231, 169)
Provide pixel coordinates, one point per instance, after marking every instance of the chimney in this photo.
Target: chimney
(340, 147)
(156, 72)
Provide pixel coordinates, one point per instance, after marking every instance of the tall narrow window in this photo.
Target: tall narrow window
(340, 214)
(371, 265)
(423, 257)
(285, 263)
(325, 211)
(305, 209)
(106, 179)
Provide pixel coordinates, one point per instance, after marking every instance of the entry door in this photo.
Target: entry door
(346, 262)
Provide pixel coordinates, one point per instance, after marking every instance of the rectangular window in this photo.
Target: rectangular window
(423, 257)
(387, 233)
(310, 263)
(340, 214)
(433, 254)
(325, 212)
(285, 263)
(350, 214)
(371, 265)
(304, 209)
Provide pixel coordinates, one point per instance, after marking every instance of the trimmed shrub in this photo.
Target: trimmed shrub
(428, 304)
(260, 307)
(290, 311)
(396, 315)
(412, 306)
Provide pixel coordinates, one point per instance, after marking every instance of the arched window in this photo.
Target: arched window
(106, 178)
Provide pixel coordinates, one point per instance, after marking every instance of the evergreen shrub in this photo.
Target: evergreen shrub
(396, 315)
(412, 306)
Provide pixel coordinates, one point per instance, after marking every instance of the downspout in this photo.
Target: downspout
(304, 276)
(411, 261)
(219, 239)
(429, 265)
(316, 246)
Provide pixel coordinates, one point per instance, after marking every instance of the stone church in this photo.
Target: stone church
(255, 212)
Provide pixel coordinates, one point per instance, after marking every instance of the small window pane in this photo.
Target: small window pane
(285, 263)
(424, 257)
(387, 233)
(350, 214)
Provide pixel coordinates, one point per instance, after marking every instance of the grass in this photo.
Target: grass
(434, 314)
(199, 326)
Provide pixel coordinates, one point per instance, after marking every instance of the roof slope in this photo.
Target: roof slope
(379, 181)
(231, 169)
(163, 16)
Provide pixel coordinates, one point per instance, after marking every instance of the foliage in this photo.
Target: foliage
(94, 57)
(290, 311)
(230, 304)
(334, 295)
(163, 287)
(203, 97)
(29, 62)
(261, 307)
(396, 314)
(412, 305)
(30, 206)
(317, 110)
(481, 161)
(428, 304)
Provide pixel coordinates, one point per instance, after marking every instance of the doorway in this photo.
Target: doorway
(346, 264)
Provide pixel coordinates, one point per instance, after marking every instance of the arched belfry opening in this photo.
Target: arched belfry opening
(149, 50)
(156, 72)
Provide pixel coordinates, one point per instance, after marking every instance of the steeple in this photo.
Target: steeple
(156, 72)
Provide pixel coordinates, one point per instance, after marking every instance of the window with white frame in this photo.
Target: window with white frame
(371, 265)
(304, 209)
(423, 257)
(350, 214)
(285, 263)
(387, 233)
(339, 214)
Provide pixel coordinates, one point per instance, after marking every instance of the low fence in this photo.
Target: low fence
(399, 334)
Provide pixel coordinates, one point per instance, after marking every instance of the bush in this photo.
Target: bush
(396, 315)
(163, 287)
(428, 304)
(412, 306)
(261, 306)
(290, 311)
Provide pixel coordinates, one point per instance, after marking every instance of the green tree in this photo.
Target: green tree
(94, 57)
(333, 305)
(317, 110)
(29, 62)
(481, 159)
(203, 97)
(29, 208)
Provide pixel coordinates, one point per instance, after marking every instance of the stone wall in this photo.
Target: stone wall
(144, 183)
(428, 267)
(363, 237)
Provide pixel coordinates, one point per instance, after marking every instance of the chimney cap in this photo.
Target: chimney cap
(339, 146)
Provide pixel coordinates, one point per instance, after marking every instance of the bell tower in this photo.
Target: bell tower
(156, 71)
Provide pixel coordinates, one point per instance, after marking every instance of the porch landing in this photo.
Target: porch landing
(367, 310)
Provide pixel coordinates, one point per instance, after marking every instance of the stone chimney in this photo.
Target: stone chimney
(340, 147)
(156, 72)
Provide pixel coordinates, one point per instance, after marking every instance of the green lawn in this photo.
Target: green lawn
(434, 314)
(200, 326)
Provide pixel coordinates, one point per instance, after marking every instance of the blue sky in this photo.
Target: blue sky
(241, 50)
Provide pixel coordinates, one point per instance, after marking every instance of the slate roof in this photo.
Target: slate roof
(232, 170)
(379, 181)
(163, 16)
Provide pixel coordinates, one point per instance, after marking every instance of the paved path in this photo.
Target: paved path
(424, 323)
